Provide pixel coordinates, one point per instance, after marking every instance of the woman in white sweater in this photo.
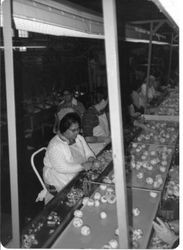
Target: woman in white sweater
(67, 153)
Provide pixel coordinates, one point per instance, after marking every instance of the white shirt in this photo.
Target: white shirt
(60, 163)
(137, 99)
(151, 91)
(103, 128)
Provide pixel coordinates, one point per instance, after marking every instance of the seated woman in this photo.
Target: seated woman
(95, 123)
(136, 100)
(67, 153)
(135, 109)
(152, 93)
(59, 116)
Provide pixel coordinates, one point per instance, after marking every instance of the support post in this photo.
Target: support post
(170, 60)
(111, 48)
(10, 97)
(149, 66)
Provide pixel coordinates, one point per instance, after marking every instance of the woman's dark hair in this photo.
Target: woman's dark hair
(99, 94)
(68, 120)
(135, 86)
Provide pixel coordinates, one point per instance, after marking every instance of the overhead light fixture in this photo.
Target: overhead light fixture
(23, 33)
(22, 48)
(51, 29)
(145, 41)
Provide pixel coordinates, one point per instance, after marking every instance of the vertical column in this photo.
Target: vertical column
(10, 97)
(90, 76)
(170, 59)
(149, 64)
(111, 48)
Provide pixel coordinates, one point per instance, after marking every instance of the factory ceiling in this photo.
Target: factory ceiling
(55, 17)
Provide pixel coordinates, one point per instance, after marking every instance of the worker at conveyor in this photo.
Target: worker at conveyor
(135, 108)
(69, 101)
(152, 92)
(68, 104)
(67, 153)
(167, 232)
(95, 122)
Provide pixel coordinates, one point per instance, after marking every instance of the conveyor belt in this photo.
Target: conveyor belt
(102, 231)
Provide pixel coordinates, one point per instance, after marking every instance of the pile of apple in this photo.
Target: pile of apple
(106, 156)
(159, 133)
(146, 154)
(135, 235)
(73, 196)
(170, 106)
(172, 111)
(149, 163)
(104, 195)
(101, 162)
(171, 101)
(172, 186)
(157, 243)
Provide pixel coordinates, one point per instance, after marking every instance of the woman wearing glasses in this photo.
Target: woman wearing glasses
(67, 153)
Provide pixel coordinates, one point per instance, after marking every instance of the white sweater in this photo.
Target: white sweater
(59, 165)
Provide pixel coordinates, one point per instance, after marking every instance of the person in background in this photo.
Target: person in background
(59, 116)
(95, 123)
(68, 104)
(67, 153)
(136, 100)
(174, 78)
(152, 93)
(167, 231)
(135, 108)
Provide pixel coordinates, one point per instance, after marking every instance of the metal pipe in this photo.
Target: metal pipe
(111, 49)
(10, 97)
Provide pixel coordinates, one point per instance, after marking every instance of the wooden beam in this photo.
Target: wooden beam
(158, 26)
(176, 38)
(147, 21)
(165, 12)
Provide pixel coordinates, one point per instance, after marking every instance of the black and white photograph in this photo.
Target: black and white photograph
(90, 129)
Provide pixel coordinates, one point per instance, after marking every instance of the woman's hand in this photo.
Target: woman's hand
(104, 139)
(107, 140)
(87, 165)
(163, 232)
(91, 139)
(137, 114)
(174, 224)
(91, 159)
